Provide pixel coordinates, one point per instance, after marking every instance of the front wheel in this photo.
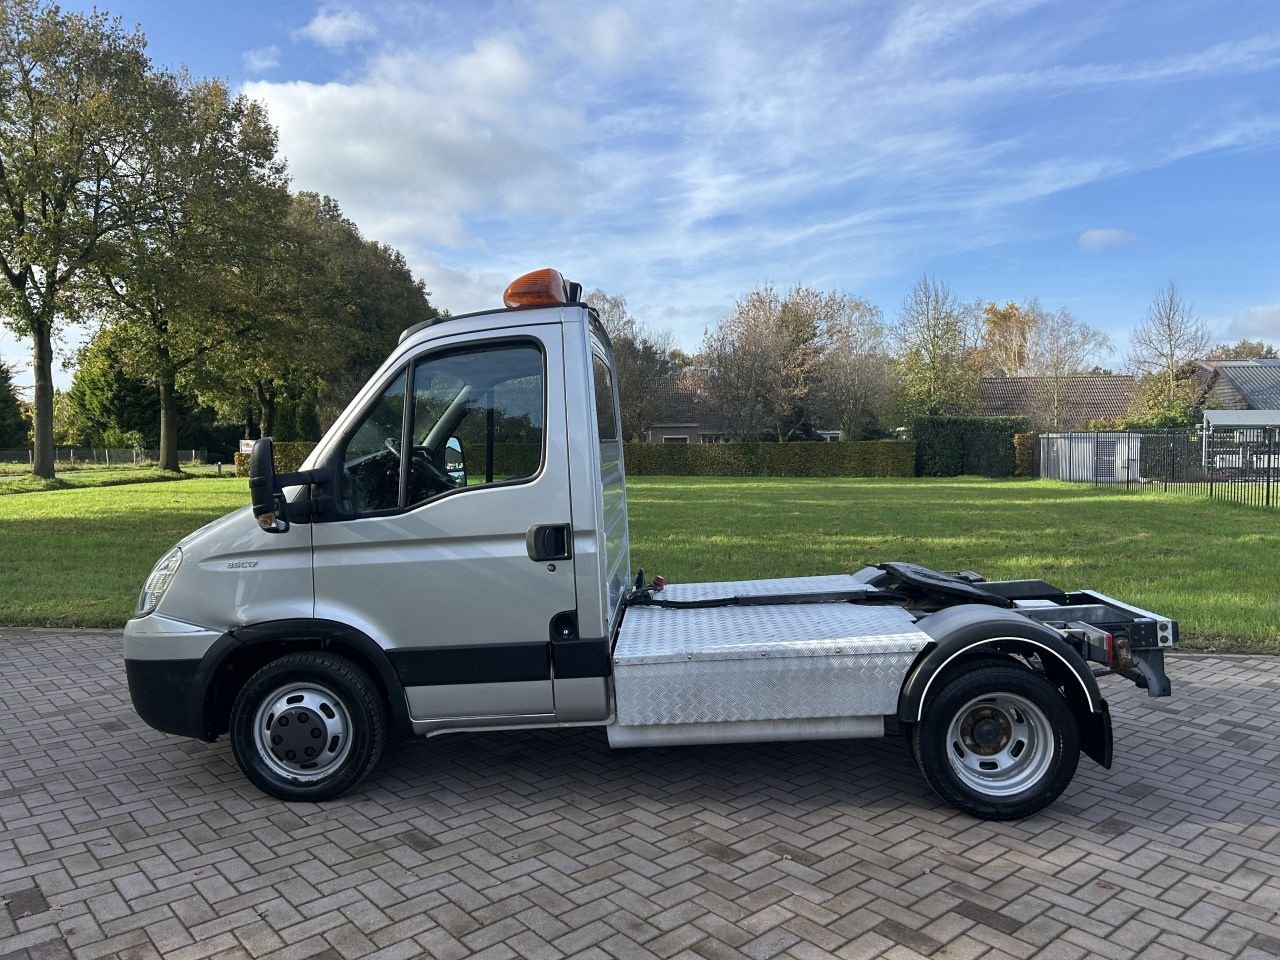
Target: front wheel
(997, 741)
(308, 726)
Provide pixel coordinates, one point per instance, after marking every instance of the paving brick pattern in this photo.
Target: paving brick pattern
(116, 841)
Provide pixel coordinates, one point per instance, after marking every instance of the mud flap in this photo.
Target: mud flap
(1095, 735)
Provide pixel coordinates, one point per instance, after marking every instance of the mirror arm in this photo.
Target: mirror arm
(301, 477)
(303, 509)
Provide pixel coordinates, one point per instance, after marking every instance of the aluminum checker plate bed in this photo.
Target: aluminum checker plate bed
(739, 665)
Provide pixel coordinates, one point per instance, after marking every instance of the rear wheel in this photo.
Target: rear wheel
(997, 741)
(308, 726)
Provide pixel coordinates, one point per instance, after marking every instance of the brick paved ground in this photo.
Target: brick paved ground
(118, 841)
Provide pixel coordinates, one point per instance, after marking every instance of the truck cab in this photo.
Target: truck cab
(454, 555)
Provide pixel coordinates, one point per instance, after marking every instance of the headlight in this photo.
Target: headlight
(158, 581)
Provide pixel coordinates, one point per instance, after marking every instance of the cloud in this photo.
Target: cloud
(1103, 238)
(926, 25)
(414, 147)
(261, 59)
(334, 28)
(608, 34)
(1260, 322)
(677, 155)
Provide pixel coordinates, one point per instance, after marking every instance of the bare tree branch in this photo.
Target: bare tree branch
(1170, 336)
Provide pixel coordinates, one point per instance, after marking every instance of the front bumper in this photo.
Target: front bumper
(162, 658)
(163, 694)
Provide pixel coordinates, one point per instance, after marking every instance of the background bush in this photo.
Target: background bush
(288, 457)
(951, 446)
(1026, 454)
(862, 458)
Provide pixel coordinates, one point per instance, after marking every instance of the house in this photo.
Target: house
(1080, 399)
(1239, 384)
(683, 416)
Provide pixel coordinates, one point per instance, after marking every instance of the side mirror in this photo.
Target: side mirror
(264, 492)
(455, 462)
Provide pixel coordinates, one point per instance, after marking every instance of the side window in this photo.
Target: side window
(606, 418)
(478, 417)
(371, 462)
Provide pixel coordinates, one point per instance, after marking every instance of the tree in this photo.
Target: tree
(937, 338)
(1243, 349)
(74, 108)
(1156, 408)
(327, 305)
(644, 359)
(104, 398)
(106, 406)
(762, 361)
(1006, 331)
(1170, 336)
(173, 279)
(13, 422)
(854, 383)
(1059, 346)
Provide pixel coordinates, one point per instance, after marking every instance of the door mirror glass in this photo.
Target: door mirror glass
(455, 462)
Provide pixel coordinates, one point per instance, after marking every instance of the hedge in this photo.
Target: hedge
(860, 458)
(509, 459)
(951, 446)
(1026, 454)
(288, 457)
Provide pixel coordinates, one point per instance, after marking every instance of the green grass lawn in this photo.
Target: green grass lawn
(76, 479)
(78, 556)
(17, 478)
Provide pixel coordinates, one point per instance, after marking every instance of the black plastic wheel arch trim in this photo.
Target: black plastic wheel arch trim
(976, 629)
(329, 634)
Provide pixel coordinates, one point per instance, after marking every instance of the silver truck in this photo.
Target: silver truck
(454, 556)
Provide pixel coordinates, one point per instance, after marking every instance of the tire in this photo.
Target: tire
(308, 726)
(997, 741)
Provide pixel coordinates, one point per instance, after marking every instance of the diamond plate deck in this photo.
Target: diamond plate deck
(762, 588)
(790, 661)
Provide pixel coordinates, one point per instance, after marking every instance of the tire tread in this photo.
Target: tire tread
(369, 706)
(927, 739)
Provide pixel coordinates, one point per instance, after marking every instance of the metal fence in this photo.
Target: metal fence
(1240, 464)
(101, 456)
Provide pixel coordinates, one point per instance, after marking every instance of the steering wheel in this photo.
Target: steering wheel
(422, 459)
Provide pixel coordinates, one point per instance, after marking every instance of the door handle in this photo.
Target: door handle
(548, 541)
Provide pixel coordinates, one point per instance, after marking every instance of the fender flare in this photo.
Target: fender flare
(976, 628)
(327, 635)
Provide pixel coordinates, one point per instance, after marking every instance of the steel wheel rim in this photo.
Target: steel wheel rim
(1000, 744)
(297, 718)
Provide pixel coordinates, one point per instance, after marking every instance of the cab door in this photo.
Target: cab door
(453, 550)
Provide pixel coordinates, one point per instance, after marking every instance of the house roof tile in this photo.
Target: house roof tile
(1103, 397)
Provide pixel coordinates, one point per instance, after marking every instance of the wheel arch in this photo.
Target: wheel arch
(962, 632)
(240, 652)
